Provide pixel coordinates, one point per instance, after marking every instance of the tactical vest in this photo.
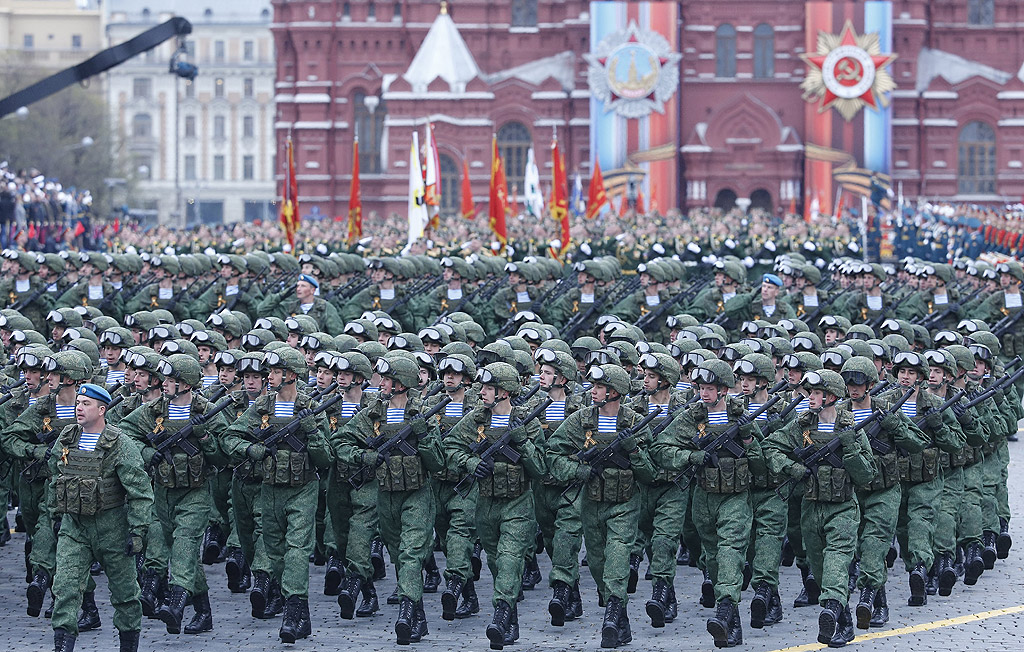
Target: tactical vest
(286, 468)
(573, 402)
(732, 475)
(887, 465)
(612, 485)
(923, 466)
(183, 471)
(86, 482)
(768, 481)
(827, 484)
(446, 424)
(246, 471)
(508, 480)
(342, 470)
(641, 406)
(51, 425)
(399, 472)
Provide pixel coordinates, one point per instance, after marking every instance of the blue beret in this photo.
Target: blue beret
(95, 391)
(310, 279)
(773, 279)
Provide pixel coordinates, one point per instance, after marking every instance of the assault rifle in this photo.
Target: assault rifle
(8, 391)
(286, 434)
(654, 317)
(781, 416)
(949, 403)
(501, 446)
(936, 317)
(601, 457)
(611, 297)
(726, 440)
(812, 317)
(466, 298)
(180, 438)
(523, 398)
(27, 301)
(385, 447)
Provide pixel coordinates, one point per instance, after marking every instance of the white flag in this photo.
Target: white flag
(417, 204)
(533, 197)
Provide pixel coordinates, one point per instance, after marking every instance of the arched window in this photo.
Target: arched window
(370, 112)
(513, 143)
(980, 12)
(725, 51)
(725, 199)
(142, 125)
(450, 186)
(524, 13)
(977, 164)
(762, 199)
(764, 51)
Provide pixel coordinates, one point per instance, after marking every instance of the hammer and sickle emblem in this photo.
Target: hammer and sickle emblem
(849, 70)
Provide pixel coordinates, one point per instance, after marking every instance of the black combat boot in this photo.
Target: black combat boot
(947, 574)
(433, 579)
(377, 559)
(275, 603)
(450, 597)
(348, 594)
(625, 633)
(561, 599)
(854, 574)
(202, 621)
(368, 605)
(291, 624)
(89, 618)
(95, 569)
(305, 624)
(5, 530)
(844, 629)
(419, 628)
(63, 641)
(759, 605)
(237, 570)
(725, 624)
(333, 576)
(512, 633)
(150, 594)
(960, 560)
(173, 609)
(1003, 539)
(683, 556)
(129, 641)
(576, 610)
(811, 591)
(499, 625)
(707, 592)
(634, 573)
(865, 606)
(880, 615)
(658, 604)
(49, 610)
(974, 565)
(260, 594)
(828, 621)
(474, 560)
(406, 620)
(918, 589)
(989, 553)
(394, 598)
(673, 605)
(931, 586)
(788, 556)
(211, 544)
(36, 592)
(610, 633)
(774, 614)
(890, 557)
(470, 604)
(531, 574)
(748, 574)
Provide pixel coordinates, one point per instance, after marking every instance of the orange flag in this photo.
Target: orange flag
(596, 197)
(468, 208)
(640, 202)
(559, 204)
(498, 196)
(355, 201)
(289, 199)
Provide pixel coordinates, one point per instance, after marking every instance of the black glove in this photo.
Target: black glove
(848, 437)
(133, 544)
(158, 458)
(256, 452)
(933, 420)
(197, 420)
(484, 469)
(301, 415)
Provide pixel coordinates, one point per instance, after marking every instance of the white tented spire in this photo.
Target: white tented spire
(443, 54)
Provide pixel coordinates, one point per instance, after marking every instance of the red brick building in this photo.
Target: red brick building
(516, 68)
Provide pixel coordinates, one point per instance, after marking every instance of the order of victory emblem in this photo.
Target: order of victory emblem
(634, 72)
(848, 72)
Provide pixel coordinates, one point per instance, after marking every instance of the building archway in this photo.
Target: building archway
(762, 199)
(726, 199)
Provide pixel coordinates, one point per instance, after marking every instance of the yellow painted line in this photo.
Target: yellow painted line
(947, 622)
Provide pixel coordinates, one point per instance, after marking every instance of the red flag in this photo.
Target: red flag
(355, 202)
(596, 197)
(117, 225)
(498, 196)
(513, 205)
(559, 204)
(624, 206)
(32, 231)
(290, 201)
(468, 208)
(640, 202)
(79, 229)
